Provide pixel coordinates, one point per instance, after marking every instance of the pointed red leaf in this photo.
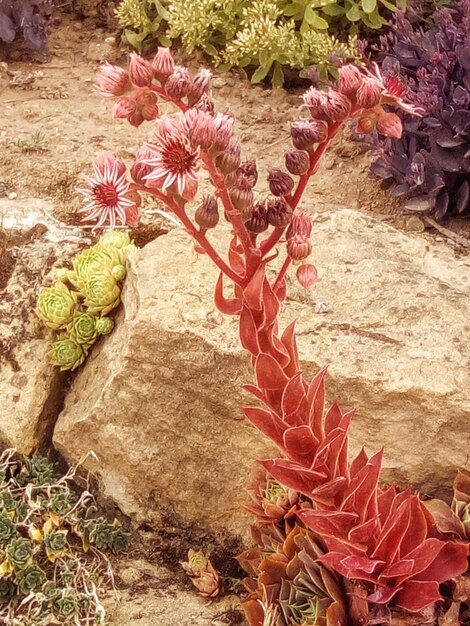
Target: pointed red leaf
(269, 374)
(248, 332)
(328, 523)
(289, 341)
(237, 262)
(316, 402)
(392, 533)
(363, 487)
(265, 421)
(299, 444)
(270, 344)
(333, 417)
(416, 595)
(255, 391)
(281, 290)
(294, 395)
(292, 475)
(449, 563)
(228, 306)
(271, 304)
(253, 293)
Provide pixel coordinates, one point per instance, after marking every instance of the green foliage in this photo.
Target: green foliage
(50, 546)
(141, 19)
(263, 35)
(76, 305)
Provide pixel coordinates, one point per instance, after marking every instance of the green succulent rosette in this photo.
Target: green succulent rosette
(119, 272)
(56, 305)
(67, 354)
(50, 591)
(29, 579)
(7, 529)
(61, 503)
(82, 328)
(119, 540)
(101, 291)
(67, 605)
(7, 591)
(92, 259)
(56, 544)
(19, 552)
(115, 239)
(104, 325)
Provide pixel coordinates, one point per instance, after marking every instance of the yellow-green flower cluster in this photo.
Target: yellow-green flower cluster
(77, 305)
(265, 35)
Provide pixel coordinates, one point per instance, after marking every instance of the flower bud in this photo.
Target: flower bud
(280, 183)
(177, 84)
(297, 162)
(107, 162)
(163, 64)
(350, 79)
(140, 71)
(279, 213)
(298, 247)
(369, 93)
(241, 195)
(367, 123)
(149, 112)
(199, 86)
(258, 221)
(301, 225)
(330, 105)
(123, 108)
(249, 172)
(136, 119)
(205, 104)
(229, 160)
(200, 128)
(307, 275)
(223, 125)
(390, 125)
(112, 80)
(141, 168)
(305, 133)
(338, 106)
(207, 213)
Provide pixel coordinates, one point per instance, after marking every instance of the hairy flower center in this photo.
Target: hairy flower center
(106, 195)
(177, 158)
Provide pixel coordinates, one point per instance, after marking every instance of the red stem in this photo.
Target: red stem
(194, 232)
(235, 217)
(282, 273)
(161, 92)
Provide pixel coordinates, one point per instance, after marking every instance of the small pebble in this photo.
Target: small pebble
(414, 225)
(12, 196)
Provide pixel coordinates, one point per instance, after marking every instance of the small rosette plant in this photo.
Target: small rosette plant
(334, 548)
(79, 302)
(50, 570)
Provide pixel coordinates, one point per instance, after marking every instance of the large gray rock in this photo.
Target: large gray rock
(159, 401)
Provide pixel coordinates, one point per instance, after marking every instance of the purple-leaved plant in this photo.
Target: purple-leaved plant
(28, 19)
(430, 163)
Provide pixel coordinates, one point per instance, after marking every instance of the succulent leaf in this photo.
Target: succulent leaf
(67, 354)
(82, 328)
(101, 291)
(56, 305)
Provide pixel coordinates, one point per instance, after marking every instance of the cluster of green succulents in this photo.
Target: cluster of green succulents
(50, 546)
(261, 35)
(77, 305)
